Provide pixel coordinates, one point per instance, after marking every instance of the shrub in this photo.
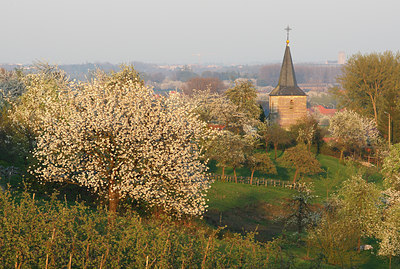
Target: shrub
(39, 234)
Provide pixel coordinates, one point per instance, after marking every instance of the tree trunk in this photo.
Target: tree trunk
(359, 244)
(341, 155)
(113, 199)
(295, 175)
(223, 174)
(251, 178)
(234, 174)
(275, 149)
(373, 101)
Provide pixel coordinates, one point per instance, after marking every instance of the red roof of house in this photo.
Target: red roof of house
(323, 110)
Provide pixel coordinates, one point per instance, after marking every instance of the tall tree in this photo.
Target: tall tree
(116, 137)
(367, 82)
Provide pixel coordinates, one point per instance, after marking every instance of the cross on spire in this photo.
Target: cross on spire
(287, 36)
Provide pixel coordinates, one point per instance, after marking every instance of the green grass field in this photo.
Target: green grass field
(235, 195)
(242, 207)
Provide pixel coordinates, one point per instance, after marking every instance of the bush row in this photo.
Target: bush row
(52, 234)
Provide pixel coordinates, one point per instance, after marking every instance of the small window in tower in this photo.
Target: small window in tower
(291, 104)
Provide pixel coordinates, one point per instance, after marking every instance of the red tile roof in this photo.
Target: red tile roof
(323, 110)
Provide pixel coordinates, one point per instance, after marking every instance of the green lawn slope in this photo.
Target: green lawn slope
(243, 207)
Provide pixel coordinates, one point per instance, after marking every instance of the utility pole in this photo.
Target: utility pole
(389, 130)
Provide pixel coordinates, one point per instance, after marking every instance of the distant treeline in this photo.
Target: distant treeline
(265, 75)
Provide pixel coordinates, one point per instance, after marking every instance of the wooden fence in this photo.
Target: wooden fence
(266, 182)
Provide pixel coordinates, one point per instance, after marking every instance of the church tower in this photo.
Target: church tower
(287, 102)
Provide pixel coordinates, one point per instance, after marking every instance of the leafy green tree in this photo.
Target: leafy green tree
(237, 149)
(302, 160)
(359, 206)
(216, 148)
(244, 95)
(260, 162)
(273, 133)
(369, 85)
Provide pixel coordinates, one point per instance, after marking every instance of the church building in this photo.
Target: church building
(287, 102)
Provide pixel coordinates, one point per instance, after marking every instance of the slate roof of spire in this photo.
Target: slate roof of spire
(287, 84)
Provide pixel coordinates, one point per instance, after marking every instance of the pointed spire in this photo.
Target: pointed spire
(287, 77)
(287, 84)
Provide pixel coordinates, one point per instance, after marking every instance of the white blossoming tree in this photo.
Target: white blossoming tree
(359, 200)
(391, 167)
(216, 109)
(40, 92)
(116, 137)
(388, 232)
(350, 129)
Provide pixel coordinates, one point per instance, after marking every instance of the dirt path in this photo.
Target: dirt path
(257, 217)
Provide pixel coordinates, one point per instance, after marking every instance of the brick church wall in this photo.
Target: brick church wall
(287, 110)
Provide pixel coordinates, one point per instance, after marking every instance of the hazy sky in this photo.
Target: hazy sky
(174, 31)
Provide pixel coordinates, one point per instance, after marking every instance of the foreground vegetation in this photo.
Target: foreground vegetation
(51, 234)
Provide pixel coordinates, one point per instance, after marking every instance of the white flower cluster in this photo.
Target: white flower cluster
(122, 138)
(348, 127)
(388, 231)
